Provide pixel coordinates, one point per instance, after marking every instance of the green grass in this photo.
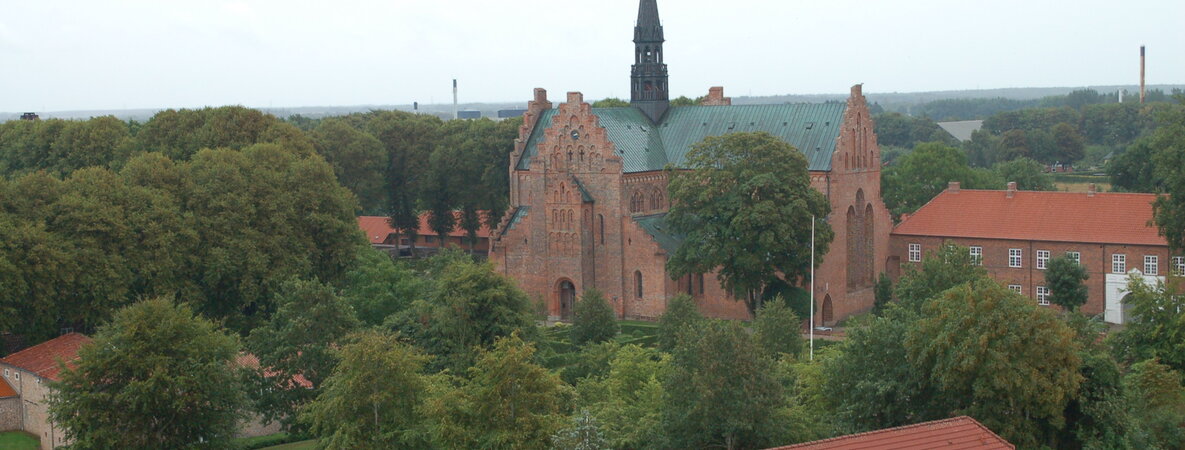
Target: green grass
(302, 445)
(17, 440)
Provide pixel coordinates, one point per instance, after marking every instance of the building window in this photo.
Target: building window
(1075, 256)
(6, 373)
(1151, 265)
(1042, 259)
(1042, 296)
(977, 256)
(1015, 255)
(601, 219)
(1015, 288)
(638, 284)
(1179, 266)
(16, 376)
(915, 252)
(1118, 263)
(700, 278)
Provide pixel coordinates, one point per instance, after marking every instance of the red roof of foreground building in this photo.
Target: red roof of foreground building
(1100, 218)
(251, 361)
(956, 433)
(42, 359)
(377, 227)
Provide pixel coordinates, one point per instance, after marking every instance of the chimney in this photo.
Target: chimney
(1090, 190)
(953, 187)
(575, 98)
(455, 115)
(716, 97)
(858, 90)
(1011, 189)
(1141, 74)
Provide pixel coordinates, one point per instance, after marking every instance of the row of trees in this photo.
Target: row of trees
(920, 175)
(951, 342)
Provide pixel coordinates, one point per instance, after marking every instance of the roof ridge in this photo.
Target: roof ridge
(963, 418)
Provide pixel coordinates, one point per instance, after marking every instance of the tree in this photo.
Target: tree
(1154, 325)
(1158, 402)
(408, 140)
(358, 159)
(882, 293)
(1017, 382)
(745, 209)
(377, 286)
(583, 434)
(627, 401)
(156, 376)
(611, 102)
(1169, 142)
(297, 344)
(506, 402)
(1029, 175)
(593, 320)
(681, 317)
(946, 268)
(1065, 278)
(1069, 144)
(777, 330)
(374, 397)
(722, 392)
(1014, 144)
(925, 172)
(900, 130)
(471, 307)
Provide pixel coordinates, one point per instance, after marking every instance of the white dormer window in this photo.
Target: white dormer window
(1119, 263)
(1151, 265)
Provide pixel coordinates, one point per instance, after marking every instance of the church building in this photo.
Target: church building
(588, 194)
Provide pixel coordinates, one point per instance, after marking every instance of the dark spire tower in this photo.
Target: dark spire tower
(649, 91)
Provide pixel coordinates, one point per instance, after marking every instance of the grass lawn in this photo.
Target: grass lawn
(19, 441)
(302, 445)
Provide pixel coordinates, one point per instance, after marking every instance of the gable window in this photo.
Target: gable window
(1179, 266)
(16, 376)
(1042, 296)
(638, 284)
(977, 256)
(1042, 259)
(1015, 288)
(915, 252)
(1151, 265)
(1118, 263)
(1075, 256)
(1015, 256)
(6, 374)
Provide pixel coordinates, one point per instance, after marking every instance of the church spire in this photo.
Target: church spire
(649, 91)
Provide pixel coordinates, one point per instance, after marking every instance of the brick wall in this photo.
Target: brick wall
(1095, 257)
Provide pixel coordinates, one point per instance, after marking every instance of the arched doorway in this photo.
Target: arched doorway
(567, 294)
(1125, 310)
(828, 311)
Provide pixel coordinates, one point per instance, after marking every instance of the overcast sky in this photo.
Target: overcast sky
(109, 54)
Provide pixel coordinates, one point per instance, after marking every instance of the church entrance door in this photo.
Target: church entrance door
(567, 299)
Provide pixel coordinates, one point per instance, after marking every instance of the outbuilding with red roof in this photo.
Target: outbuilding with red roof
(949, 434)
(27, 374)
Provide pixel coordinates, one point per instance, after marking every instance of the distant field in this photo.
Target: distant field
(18, 441)
(1073, 182)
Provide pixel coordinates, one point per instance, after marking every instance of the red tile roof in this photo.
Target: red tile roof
(956, 433)
(377, 228)
(6, 390)
(1104, 218)
(42, 359)
(251, 361)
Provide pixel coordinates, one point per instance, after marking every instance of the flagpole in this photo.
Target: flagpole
(812, 288)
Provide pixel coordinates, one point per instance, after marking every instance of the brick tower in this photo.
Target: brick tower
(649, 91)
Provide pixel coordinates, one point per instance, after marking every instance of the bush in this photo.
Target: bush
(594, 320)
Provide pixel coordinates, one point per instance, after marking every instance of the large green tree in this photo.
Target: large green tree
(377, 286)
(1155, 325)
(745, 208)
(593, 320)
(627, 401)
(298, 343)
(359, 160)
(925, 172)
(374, 398)
(1029, 175)
(721, 391)
(1169, 142)
(155, 377)
(949, 266)
(1065, 278)
(996, 356)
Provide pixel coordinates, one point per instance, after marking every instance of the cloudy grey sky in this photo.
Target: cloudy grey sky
(115, 54)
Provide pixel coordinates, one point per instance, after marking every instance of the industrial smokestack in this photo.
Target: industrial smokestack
(1141, 74)
(455, 97)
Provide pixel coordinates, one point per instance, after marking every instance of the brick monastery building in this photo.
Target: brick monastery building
(1013, 234)
(588, 193)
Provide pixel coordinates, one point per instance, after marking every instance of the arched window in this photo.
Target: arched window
(637, 202)
(601, 219)
(656, 200)
(638, 284)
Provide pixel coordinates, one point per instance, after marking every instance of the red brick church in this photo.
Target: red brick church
(588, 193)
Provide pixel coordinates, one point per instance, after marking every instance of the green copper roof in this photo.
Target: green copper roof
(656, 227)
(642, 146)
